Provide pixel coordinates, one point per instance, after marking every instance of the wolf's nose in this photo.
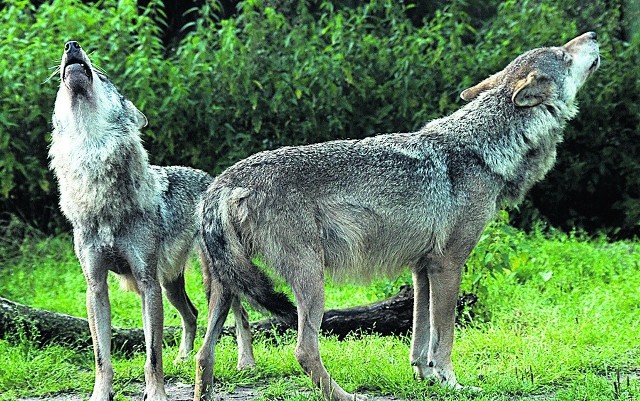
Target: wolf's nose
(592, 35)
(71, 46)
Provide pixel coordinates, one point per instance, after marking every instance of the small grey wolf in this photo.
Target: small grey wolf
(361, 208)
(129, 217)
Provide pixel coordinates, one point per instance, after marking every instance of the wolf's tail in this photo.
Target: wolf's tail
(227, 258)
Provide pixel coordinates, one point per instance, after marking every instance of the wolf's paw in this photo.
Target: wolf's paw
(426, 373)
(98, 397)
(154, 396)
(184, 352)
(470, 389)
(433, 377)
(350, 397)
(180, 359)
(246, 364)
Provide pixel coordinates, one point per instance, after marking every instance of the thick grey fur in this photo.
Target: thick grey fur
(128, 216)
(363, 208)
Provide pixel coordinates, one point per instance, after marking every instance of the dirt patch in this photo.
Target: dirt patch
(175, 392)
(184, 392)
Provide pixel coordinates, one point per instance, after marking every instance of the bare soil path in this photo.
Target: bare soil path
(184, 392)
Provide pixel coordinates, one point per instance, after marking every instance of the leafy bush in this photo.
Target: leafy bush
(595, 184)
(30, 50)
(267, 78)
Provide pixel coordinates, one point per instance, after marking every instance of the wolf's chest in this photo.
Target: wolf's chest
(103, 184)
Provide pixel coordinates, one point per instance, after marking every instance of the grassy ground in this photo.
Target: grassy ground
(559, 318)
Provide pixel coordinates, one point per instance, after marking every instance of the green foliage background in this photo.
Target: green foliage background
(276, 75)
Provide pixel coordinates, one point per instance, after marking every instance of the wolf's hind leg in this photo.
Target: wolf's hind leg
(177, 295)
(309, 294)
(220, 300)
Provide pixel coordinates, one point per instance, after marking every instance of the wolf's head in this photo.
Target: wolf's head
(87, 98)
(548, 76)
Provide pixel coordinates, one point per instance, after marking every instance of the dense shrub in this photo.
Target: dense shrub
(30, 51)
(274, 76)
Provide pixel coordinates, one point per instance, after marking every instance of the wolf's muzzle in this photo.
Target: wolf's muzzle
(75, 67)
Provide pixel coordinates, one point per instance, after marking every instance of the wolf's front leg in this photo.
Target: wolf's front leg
(152, 320)
(143, 262)
(99, 316)
(444, 284)
(421, 325)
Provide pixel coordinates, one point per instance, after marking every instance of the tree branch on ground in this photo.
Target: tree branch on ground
(391, 316)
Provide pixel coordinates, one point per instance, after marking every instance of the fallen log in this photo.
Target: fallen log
(391, 316)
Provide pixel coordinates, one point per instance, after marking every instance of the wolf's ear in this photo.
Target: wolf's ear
(139, 118)
(532, 90)
(489, 83)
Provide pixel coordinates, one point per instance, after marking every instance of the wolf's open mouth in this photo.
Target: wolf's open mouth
(594, 66)
(74, 63)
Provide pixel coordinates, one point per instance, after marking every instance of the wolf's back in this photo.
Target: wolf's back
(229, 260)
(180, 192)
(184, 185)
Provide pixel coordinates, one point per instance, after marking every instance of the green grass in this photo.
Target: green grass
(558, 319)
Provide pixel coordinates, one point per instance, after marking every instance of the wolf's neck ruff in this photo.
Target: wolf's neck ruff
(517, 145)
(102, 180)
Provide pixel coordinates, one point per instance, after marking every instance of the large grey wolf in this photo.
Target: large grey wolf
(129, 217)
(373, 206)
